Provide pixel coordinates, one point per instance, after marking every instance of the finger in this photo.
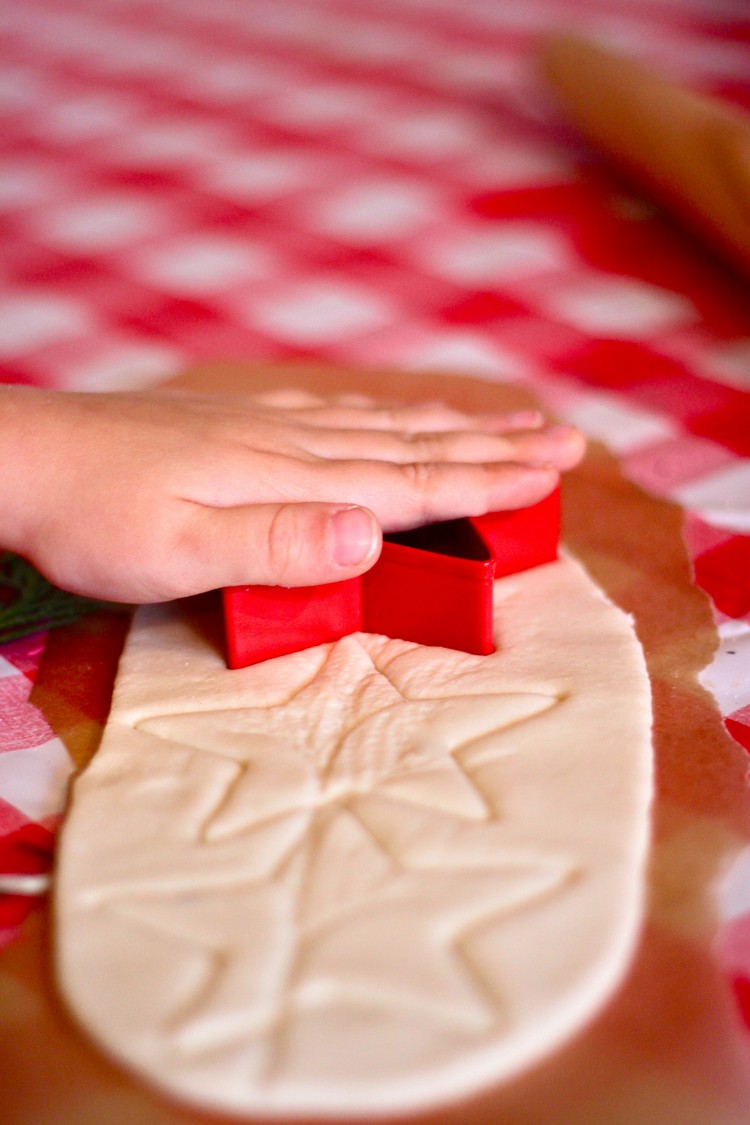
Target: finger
(287, 398)
(294, 544)
(415, 418)
(296, 398)
(561, 446)
(410, 495)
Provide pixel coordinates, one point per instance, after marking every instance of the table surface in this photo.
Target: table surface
(380, 183)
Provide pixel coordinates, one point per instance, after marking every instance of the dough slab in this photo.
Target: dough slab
(365, 878)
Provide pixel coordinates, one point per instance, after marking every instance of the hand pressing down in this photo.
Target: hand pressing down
(149, 496)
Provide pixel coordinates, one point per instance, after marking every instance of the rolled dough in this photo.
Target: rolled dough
(365, 878)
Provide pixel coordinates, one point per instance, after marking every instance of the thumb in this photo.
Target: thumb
(280, 545)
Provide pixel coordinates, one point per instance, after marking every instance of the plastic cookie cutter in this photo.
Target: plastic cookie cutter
(432, 585)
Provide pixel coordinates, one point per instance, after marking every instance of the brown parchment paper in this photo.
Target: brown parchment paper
(668, 1048)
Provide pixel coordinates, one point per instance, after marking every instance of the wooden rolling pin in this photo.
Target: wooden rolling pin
(690, 152)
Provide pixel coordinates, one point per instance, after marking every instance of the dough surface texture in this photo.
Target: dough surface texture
(368, 877)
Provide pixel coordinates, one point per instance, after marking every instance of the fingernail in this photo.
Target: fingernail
(353, 536)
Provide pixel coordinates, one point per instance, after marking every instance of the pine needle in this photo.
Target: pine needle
(34, 603)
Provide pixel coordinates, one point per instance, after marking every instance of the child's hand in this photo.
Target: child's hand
(144, 497)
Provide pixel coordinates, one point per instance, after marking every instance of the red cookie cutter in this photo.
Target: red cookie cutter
(432, 585)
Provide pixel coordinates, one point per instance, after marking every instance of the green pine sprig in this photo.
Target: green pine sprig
(35, 604)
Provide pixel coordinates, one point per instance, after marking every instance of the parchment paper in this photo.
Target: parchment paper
(669, 1047)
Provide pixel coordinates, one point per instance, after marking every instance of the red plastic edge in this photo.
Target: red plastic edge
(521, 539)
(427, 596)
(435, 602)
(266, 621)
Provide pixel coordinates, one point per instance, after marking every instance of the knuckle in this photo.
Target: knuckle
(392, 417)
(436, 447)
(423, 481)
(422, 446)
(285, 541)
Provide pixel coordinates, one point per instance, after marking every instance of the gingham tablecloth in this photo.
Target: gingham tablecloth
(372, 182)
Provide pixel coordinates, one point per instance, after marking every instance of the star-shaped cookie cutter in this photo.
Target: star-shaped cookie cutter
(432, 585)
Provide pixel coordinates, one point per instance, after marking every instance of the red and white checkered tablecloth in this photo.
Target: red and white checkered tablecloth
(372, 182)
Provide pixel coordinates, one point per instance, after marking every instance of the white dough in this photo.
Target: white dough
(367, 877)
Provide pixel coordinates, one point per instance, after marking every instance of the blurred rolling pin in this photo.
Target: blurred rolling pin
(690, 152)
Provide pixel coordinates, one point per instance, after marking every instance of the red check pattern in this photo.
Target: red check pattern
(379, 182)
